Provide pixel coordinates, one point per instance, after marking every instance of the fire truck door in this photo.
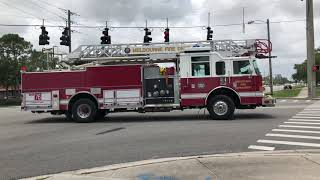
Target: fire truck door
(243, 81)
(222, 72)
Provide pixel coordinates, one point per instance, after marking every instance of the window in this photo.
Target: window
(241, 67)
(200, 66)
(256, 67)
(220, 68)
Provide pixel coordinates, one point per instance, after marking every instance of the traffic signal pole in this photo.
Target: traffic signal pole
(69, 26)
(311, 76)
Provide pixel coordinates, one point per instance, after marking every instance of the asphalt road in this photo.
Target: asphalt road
(33, 144)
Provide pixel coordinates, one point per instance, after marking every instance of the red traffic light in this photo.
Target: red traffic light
(23, 68)
(315, 68)
(166, 35)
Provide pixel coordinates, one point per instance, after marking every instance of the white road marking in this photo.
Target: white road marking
(304, 117)
(310, 109)
(297, 131)
(308, 100)
(296, 101)
(288, 143)
(264, 148)
(306, 127)
(283, 100)
(309, 114)
(293, 136)
(302, 123)
(311, 120)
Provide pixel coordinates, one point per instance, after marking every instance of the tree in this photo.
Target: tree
(15, 52)
(301, 69)
(278, 79)
(13, 49)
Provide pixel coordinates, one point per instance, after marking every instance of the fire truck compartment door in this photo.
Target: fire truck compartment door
(38, 99)
(122, 98)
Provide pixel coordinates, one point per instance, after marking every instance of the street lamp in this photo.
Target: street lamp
(270, 57)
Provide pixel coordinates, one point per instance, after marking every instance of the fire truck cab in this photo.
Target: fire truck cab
(218, 75)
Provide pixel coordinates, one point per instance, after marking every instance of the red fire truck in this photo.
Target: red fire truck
(220, 75)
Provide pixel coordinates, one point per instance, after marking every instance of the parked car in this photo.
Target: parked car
(287, 86)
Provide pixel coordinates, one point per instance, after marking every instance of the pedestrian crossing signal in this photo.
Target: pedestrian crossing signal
(315, 68)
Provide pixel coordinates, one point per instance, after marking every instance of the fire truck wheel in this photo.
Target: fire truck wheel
(221, 107)
(69, 116)
(101, 113)
(84, 111)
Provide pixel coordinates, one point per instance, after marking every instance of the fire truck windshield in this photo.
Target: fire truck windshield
(256, 67)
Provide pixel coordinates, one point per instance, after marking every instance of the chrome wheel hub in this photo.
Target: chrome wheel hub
(220, 108)
(84, 111)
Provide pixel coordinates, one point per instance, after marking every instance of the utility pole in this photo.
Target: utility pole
(69, 26)
(270, 59)
(311, 76)
(209, 16)
(243, 24)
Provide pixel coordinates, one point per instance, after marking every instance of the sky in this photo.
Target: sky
(288, 38)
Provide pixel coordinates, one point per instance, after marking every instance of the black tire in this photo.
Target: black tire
(69, 115)
(224, 107)
(84, 111)
(101, 113)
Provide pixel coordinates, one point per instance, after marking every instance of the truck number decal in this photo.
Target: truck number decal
(37, 97)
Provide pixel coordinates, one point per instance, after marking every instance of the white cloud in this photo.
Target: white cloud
(288, 38)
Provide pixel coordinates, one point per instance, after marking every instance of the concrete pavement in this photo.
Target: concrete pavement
(303, 93)
(33, 144)
(277, 165)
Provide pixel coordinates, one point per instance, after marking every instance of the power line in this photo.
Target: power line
(139, 27)
(52, 5)
(19, 9)
(56, 14)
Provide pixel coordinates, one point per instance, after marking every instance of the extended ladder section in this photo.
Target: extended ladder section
(166, 51)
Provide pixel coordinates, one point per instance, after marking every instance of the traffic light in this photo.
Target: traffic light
(65, 38)
(166, 35)
(146, 38)
(105, 39)
(44, 38)
(315, 68)
(209, 34)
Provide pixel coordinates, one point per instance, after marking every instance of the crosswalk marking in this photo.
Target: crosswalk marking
(304, 117)
(309, 114)
(293, 136)
(264, 148)
(297, 131)
(306, 123)
(306, 127)
(288, 143)
(310, 120)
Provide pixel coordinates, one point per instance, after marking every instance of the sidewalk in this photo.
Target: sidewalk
(275, 165)
(303, 93)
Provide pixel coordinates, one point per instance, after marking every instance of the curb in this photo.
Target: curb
(303, 152)
(162, 160)
(296, 98)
